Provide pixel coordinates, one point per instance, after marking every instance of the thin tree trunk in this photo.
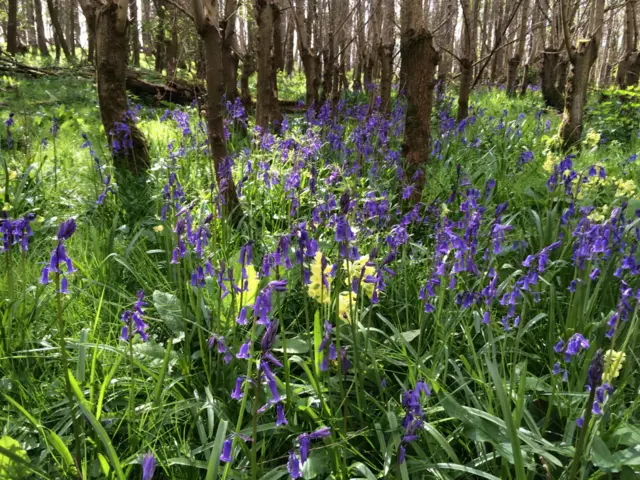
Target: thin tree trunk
(359, 47)
(374, 35)
(466, 60)
(386, 55)
(57, 30)
(147, 41)
(127, 143)
(171, 47)
(160, 43)
(207, 27)
(289, 53)
(421, 60)
(229, 48)
(42, 39)
(514, 61)
(72, 6)
(134, 31)
(307, 55)
(12, 27)
(248, 61)
(30, 26)
(629, 39)
(264, 18)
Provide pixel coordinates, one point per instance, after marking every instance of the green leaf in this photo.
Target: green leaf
(169, 310)
(95, 423)
(214, 460)
(12, 458)
(508, 418)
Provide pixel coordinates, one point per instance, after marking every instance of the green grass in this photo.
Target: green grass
(496, 410)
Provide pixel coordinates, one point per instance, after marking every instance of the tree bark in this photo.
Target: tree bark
(466, 60)
(548, 75)
(421, 60)
(582, 59)
(57, 30)
(127, 143)
(386, 55)
(146, 33)
(289, 52)
(72, 6)
(307, 55)
(171, 46)
(207, 25)
(248, 61)
(374, 35)
(30, 25)
(514, 61)
(160, 43)
(629, 42)
(229, 48)
(134, 32)
(264, 19)
(42, 39)
(12, 27)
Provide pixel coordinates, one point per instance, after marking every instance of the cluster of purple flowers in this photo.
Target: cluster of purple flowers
(304, 440)
(413, 420)
(16, 232)
(133, 321)
(59, 256)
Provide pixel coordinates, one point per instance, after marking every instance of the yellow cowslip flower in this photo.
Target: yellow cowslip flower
(355, 270)
(158, 228)
(599, 214)
(345, 302)
(625, 188)
(592, 139)
(549, 162)
(612, 364)
(444, 210)
(12, 174)
(317, 289)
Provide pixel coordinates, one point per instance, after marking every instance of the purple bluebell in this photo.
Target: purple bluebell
(148, 466)
(225, 456)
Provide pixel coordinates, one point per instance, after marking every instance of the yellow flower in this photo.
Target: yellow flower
(317, 289)
(345, 302)
(592, 139)
(599, 214)
(625, 188)
(444, 210)
(359, 270)
(158, 228)
(549, 162)
(612, 364)
(12, 174)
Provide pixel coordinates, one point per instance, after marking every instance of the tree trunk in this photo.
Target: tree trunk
(160, 43)
(386, 55)
(229, 48)
(42, 39)
(466, 60)
(134, 31)
(514, 61)
(72, 6)
(171, 47)
(12, 27)
(248, 61)
(30, 24)
(307, 56)
(127, 143)
(582, 59)
(146, 32)
(576, 94)
(207, 27)
(264, 19)
(57, 30)
(421, 60)
(289, 53)
(629, 42)
(548, 75)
